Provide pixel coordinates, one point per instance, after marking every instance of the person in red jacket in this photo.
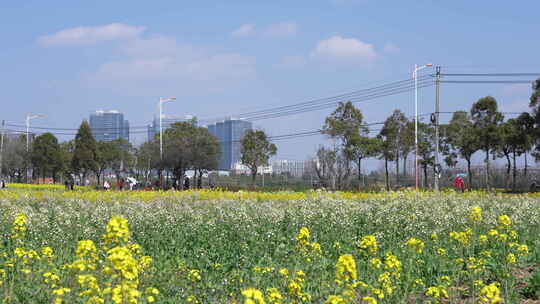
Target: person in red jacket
(459, 184)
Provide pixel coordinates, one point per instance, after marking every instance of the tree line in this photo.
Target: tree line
(186, 146)
(482, 129)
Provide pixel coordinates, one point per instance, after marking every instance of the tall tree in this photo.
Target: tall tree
(486, 121)
(426, 148)
(256, 150)
(147, 158)
(393, 133)
(66, 153)
(387, 147)
(15, 157)
(84, 154)
(504, 147)
(122, 156)
(325, 166)
(534, 103)
(459, 137)
(346, 124)
(107, 154)
(205, 153)
(333, 167)
(361, 147)
(512, 145)
(177, 154)
(46, 155)
(527, 133)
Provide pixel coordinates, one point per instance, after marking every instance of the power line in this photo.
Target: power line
(329, 99)
(363, 95)
(486, 81)
(491, 74)
(389, 92)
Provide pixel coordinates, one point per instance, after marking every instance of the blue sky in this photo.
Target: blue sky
(66, 59)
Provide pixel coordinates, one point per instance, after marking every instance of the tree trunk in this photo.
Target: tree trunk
(404, 172)
(487, 169)
(469, 171)
(359, 168)
(508, 167)
(397, 170)
(253, 175)
(425, 176)
(386, 174)
(514, 172)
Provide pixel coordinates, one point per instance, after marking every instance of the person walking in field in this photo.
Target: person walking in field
(106, 186)
(459, 183)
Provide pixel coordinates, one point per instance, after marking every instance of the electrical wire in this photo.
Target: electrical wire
(489, 74)
(360, 99)
(486, 81)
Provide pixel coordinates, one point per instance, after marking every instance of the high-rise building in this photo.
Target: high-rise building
(229, 134)
(109, 125)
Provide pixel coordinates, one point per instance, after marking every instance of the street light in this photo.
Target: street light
(416, 69)
(161, 101)
(29, 117)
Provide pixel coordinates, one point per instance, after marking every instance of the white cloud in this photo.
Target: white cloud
(85, 35)
(349, 49)
(245, 30)
(282, 29)
(391, 48)
(159, 62)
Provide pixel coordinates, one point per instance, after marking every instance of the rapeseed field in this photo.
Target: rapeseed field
(257, 247)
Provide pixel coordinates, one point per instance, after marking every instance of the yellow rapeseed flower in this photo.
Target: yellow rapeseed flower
(194, 275)
(369, 244)
(437, 292)
(369, 300)
(511, 258)
(274, 296)
(416, 244)
(476, 214)
(253, 296)
(18, 228)
(490, 294)
(346, 268)
(523, 249)
(505, 221)
(335, 300)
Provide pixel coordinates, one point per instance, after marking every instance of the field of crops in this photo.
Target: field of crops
(282, 247)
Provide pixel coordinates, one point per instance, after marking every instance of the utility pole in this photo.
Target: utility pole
(415, 78)
(437, 110)
(2, 148)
